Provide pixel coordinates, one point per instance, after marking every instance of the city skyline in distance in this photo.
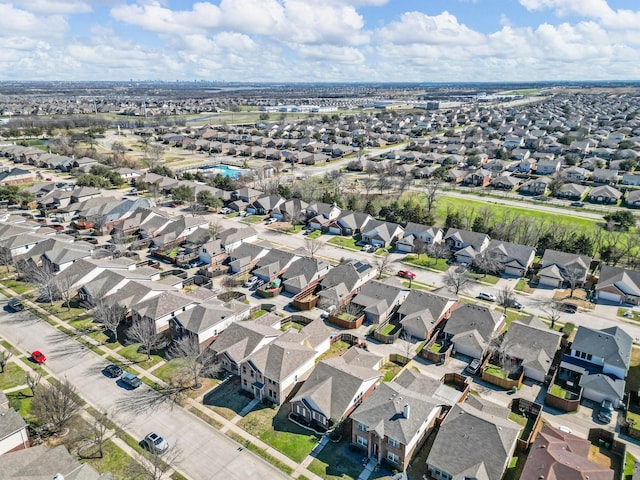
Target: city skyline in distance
(321, 41)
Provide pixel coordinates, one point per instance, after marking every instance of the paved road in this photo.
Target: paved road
(205, 453)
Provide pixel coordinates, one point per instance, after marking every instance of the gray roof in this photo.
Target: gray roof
(233, 235)
(334, 383)
(206, 315)
(466, 237)
(612, 388)
(348, 273)
(533, 342)
(281, 358)
(10, 421)
(163, 304)
(473, 443)
(376, 297)
(472, 323)
(424, 309)
(508, 253)
(241, 339)
(627, 281)
(612, 344)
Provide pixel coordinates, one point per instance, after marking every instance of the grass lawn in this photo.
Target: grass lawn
(511, 316)
(390, 370)
(18, 287)
(633, 376)
(131, 353)
(253, 219)
(635, 316)
(629, 460)
(7, 346)
(274, 428)
(516, 465)
(388, 329)
(344, 242)
(558, 391)
(423, 260)
(294, 229)
(336, 462)
(482, 278)
(62, 312)
(257, 314)
(169, 370)
(315, 234)
(114, 460)
(12, 377)
(523, 286)
(496, 371)
(336, 350)
(21, 401)
(635, 417)
(519, 419)
(226, 399)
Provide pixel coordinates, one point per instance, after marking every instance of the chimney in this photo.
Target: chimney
(406, 410)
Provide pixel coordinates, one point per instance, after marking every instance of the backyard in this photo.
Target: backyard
(390, 370)
(336, 350)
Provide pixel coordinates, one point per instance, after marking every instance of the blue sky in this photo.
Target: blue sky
(320, 40)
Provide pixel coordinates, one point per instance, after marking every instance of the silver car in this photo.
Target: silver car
(155, 443)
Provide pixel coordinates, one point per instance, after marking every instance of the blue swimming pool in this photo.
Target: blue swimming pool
(225, 170)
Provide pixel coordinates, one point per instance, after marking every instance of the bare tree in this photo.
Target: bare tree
(33, 380)
(487, 263)
(313, 246)
(143, 331)
(109, 315)
(214, 229)
(552, 309)
(194, 363)
(506, 296)
(419, 246)
(97, 432)
(157, 466)
(431, 193)
(64, 285)
(383, 264)
(438, 251)
(384, 183)
(5, 355)
(407, 345)
(500, 352)
(155, 153)
(54, 404)
(229, 283)
(574, 277)
(44, 278)
(6, 258)
(457, 279)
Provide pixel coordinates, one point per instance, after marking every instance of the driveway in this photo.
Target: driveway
(205, 453)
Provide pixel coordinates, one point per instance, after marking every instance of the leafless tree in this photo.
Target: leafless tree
(214, 229)
(158, 466)
(5, 355)
(407, 345)
(155, 153)
(313, 246)
(574, 277)
(384, 183)
(54, 404)
(97, 433)
(486, 263)
(419, 246)
(438, 251)
(229, 283)
(383, 263)
(44, 279)
(64, 285)
(553, 310)
(33, 380)
(368, 184)
(109, 315)
(457, 279)
(500, 353)
(143, 331)
(194, 362)
(119, 240)
(6, 258)
(431, 193)
(506, 297)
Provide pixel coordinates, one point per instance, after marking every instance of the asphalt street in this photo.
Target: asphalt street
(204, 453)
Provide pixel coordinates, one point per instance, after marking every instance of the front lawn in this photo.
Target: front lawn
(274, 428)
(227, 399)
(169, 370)
(21, 401)
(344, 242)
(523, 286)
(512, 316)
(633, 376)
(114, 460)
(485, 278)
(62, 312)
(337, 462)
(423, 260)
(17, 286)
(629, 314)
(315, 234)
(13, 376)
(131, 353)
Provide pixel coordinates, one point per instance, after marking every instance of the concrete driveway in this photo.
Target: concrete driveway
(205, 453)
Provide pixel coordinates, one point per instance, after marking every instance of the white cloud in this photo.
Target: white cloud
(596, 9)
(17, 21)
(48, 7)
(416, 27)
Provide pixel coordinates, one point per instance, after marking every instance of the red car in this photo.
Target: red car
(406, 274)
(38, 357)
(174, 205)
(48, 179)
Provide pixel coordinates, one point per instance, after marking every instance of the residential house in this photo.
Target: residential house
(548, 167)
(475, 440)
(350, 223)
(212, 252)
(320, 215)
(293, 211)
(602, 359)
(273, 264)
(304, 273)
(465, 244)
(246, 256)
(246, 194)
(422, 312)
(472, 327)
(342, 281)
(558, 267)
(555, 453)
(536, 186)
(455, 175)
(16, 176)
(575, 174)
(572, 191)
(633, 198)
(604, 194)
(14, 434)
(510, 258)
(531, 345)
(393, 422)
(422, 233)
(632, 179)
(618, 285)
(605, 175)
(478, 178)
(159, 309)
(206, 321)
(335, 388)
(378, 300)
(265, 204)
(272, 372)
(380, 233)
(506, 182)
(232, 238)
(61, 255)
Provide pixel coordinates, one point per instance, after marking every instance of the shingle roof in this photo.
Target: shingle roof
(612, 344)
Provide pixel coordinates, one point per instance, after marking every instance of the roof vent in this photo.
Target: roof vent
(406, 410)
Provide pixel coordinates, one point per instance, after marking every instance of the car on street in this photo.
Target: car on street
(225, 210)
(473, 366)
(243, 213)
(605, 414)
(155, 443)
(112, 371)
(48, 179)
(368, 248)
(130, 380)
(514, 304)
(270, 220)
(406, 274)
(251, 282)
(489, 297)
(15, 305)
(577, 204)
(38, 357)
(568, 307)
(173, 205)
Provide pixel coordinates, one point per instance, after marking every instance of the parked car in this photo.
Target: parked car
(514, 304)
(605, 414)
(577, 204)
(243, 213)
(15, 305)
(490, 297)
(113, 371)
(569, 307)
(130, 380)
(155, 443)
(48, 179)
(473, 366)
(225, 210)
(406, 274)
(368, 248)
(38, 357)
(251, 282)
(270, 220)
(330, 309)
(173, 205)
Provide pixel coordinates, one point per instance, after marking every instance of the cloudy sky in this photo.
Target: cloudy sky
(320, 40)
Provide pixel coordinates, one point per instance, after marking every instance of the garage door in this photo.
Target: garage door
(614, 297)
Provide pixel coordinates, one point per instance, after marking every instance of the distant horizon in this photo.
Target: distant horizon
(320, 41)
